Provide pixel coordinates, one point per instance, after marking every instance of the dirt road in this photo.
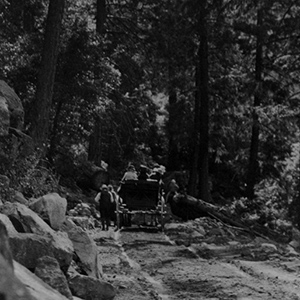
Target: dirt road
(147, 265)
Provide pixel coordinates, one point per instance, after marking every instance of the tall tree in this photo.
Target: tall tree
(100, 16)
(40, 114)
(199, 168)
(204, 189)
(253, 168)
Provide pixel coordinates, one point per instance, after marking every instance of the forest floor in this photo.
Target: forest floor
(186, 263)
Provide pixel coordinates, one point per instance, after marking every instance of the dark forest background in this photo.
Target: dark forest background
(209, 88)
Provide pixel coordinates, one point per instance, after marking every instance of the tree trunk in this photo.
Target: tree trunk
(41, 108)
(173, 155)
(95, 143)
(204, 183)
(54, 131)
(100, 16)
(28, 17)
(194, 144)
(253, 168)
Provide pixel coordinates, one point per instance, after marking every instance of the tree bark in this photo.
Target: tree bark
(194, 144)
(201, 161)
(41, 108)
(95, 143)
(253, 168)
(100, 16)
(173, 155)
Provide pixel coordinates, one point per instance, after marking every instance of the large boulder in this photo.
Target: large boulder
(11, 109)
(91, 288)
(27, 248)
(52, 208)
(85, 249)
(8, 224)
(19, 197)
(27, 221)
(4, 116)
(10, 287)
(49, 271)
(14, 144)
(16, 281)
(37, 288)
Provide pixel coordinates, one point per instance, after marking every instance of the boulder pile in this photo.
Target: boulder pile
(45, 255)
(208, 238)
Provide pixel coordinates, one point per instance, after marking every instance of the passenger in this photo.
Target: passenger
(113, 205)
(130, 174)
(104, 204)
(173, 189)
(157, 173)
(143, 173)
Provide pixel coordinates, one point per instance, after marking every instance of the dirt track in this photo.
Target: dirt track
(149, 265)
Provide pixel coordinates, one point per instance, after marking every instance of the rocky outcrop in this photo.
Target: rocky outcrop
(11, 288)
(19, 197)
(37, 288)
(36, 259)
(13, 142)
(85, 249)
(27, 248)
(49, 271)
(52, 208)
(8, 224)
(11, 109)
(91, 288)
(42, 235)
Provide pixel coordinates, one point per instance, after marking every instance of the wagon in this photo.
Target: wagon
(142, 199)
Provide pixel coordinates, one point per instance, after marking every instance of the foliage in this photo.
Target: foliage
(149, 49)
(31, 178)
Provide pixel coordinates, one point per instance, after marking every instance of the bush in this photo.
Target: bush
(31, 177)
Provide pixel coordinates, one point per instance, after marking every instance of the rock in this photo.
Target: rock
(11, 288)
(91, 288)
(27, 221)
(267, 247)
(63, 248)
(24, 219)
(49, 271)
(52, 208)
(4, 185)
(13, 142)
(8, 224)
(4, 182)
(27, 248)
(82, 222)
(19, 197)
(295, 244)
(10, 103)
(4, 116)
(85, 249)
(5, 251)
(36, 287)
(296, 234)
(291, 252)
(176, 227)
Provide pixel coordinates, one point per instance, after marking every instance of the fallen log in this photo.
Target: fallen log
(189, 208)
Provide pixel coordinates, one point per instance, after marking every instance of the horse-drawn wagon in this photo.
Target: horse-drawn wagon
(143, 198)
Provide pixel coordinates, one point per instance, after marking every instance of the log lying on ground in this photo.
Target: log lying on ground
(188, 208)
